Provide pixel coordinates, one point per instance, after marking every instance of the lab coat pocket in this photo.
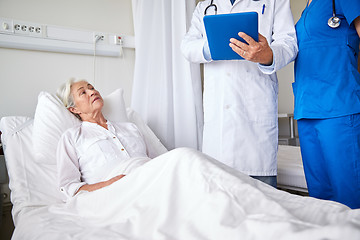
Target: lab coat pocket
(261, 100)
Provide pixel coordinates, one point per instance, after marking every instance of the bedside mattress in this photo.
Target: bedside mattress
(290, 169)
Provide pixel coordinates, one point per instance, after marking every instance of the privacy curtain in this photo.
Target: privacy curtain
(167, 88)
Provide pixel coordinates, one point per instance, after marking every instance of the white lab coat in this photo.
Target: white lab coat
(240, 97)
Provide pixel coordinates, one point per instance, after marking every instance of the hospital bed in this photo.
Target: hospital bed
(180, 194)
(291, 175)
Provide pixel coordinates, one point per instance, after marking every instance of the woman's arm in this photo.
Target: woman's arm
(96, 186)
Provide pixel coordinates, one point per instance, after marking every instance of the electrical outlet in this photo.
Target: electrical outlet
(6, 25)
(36, 30)
(21, 28)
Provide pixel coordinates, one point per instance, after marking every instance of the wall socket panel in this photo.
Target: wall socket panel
(27, 28)
(19, 34)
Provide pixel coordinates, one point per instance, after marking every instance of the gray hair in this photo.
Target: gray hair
(64, 94)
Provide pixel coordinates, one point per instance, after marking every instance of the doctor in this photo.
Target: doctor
(240, 96)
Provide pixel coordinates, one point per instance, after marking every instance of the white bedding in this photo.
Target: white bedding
(184, 194)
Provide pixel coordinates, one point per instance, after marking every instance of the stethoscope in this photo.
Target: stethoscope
(215, 7)
(334, 21)
(211, 5)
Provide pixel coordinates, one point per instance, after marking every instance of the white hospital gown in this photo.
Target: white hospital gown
(89, 154)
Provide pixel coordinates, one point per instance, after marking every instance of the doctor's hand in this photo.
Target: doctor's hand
(259, 52)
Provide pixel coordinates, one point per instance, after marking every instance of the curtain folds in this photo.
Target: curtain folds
(167, 88)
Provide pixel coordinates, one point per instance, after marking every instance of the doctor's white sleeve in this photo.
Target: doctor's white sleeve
(69, 176)
(194, 45)
(284, 41)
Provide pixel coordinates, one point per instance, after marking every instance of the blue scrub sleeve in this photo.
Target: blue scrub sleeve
(350, 10)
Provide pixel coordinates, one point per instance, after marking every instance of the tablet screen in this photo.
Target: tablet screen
(220, 28)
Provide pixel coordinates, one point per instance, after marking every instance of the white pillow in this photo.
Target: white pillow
(114, 106)
(52, 119)
(26, 177)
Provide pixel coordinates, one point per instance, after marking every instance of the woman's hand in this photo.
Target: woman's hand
(259, 52)
(96, 186)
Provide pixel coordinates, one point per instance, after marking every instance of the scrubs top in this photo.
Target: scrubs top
(327, 82)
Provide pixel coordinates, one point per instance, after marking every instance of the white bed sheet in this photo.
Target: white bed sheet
(182, 194)
(290, 169)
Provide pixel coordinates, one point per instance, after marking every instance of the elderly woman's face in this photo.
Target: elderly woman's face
(87, 100)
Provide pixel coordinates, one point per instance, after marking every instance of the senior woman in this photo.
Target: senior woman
(97, 152)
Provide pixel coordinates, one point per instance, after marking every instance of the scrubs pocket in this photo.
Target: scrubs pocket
(354, 123)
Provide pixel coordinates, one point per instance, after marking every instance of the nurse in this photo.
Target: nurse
(327, 99)
(240, 96)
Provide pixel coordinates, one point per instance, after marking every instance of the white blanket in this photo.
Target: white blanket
(186, 195)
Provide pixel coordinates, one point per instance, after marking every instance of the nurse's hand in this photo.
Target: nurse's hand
(259, 52)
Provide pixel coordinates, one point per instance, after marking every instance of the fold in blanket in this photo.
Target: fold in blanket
(185, 194)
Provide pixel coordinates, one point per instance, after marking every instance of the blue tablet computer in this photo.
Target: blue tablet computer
(220, 28)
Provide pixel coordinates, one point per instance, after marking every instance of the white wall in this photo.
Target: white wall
(286, 77)
(23, 74)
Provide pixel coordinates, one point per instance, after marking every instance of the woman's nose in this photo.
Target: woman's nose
(92, 92)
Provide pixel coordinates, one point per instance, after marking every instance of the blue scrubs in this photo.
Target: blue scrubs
(327, 101)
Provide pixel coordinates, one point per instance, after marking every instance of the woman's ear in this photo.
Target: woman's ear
(73, 110)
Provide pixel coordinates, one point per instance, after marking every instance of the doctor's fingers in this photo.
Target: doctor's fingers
(251, 51)
(263, 41)
(247, 38)
(260, 53)
(238, 49)
(249, 45)
(239, 44)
